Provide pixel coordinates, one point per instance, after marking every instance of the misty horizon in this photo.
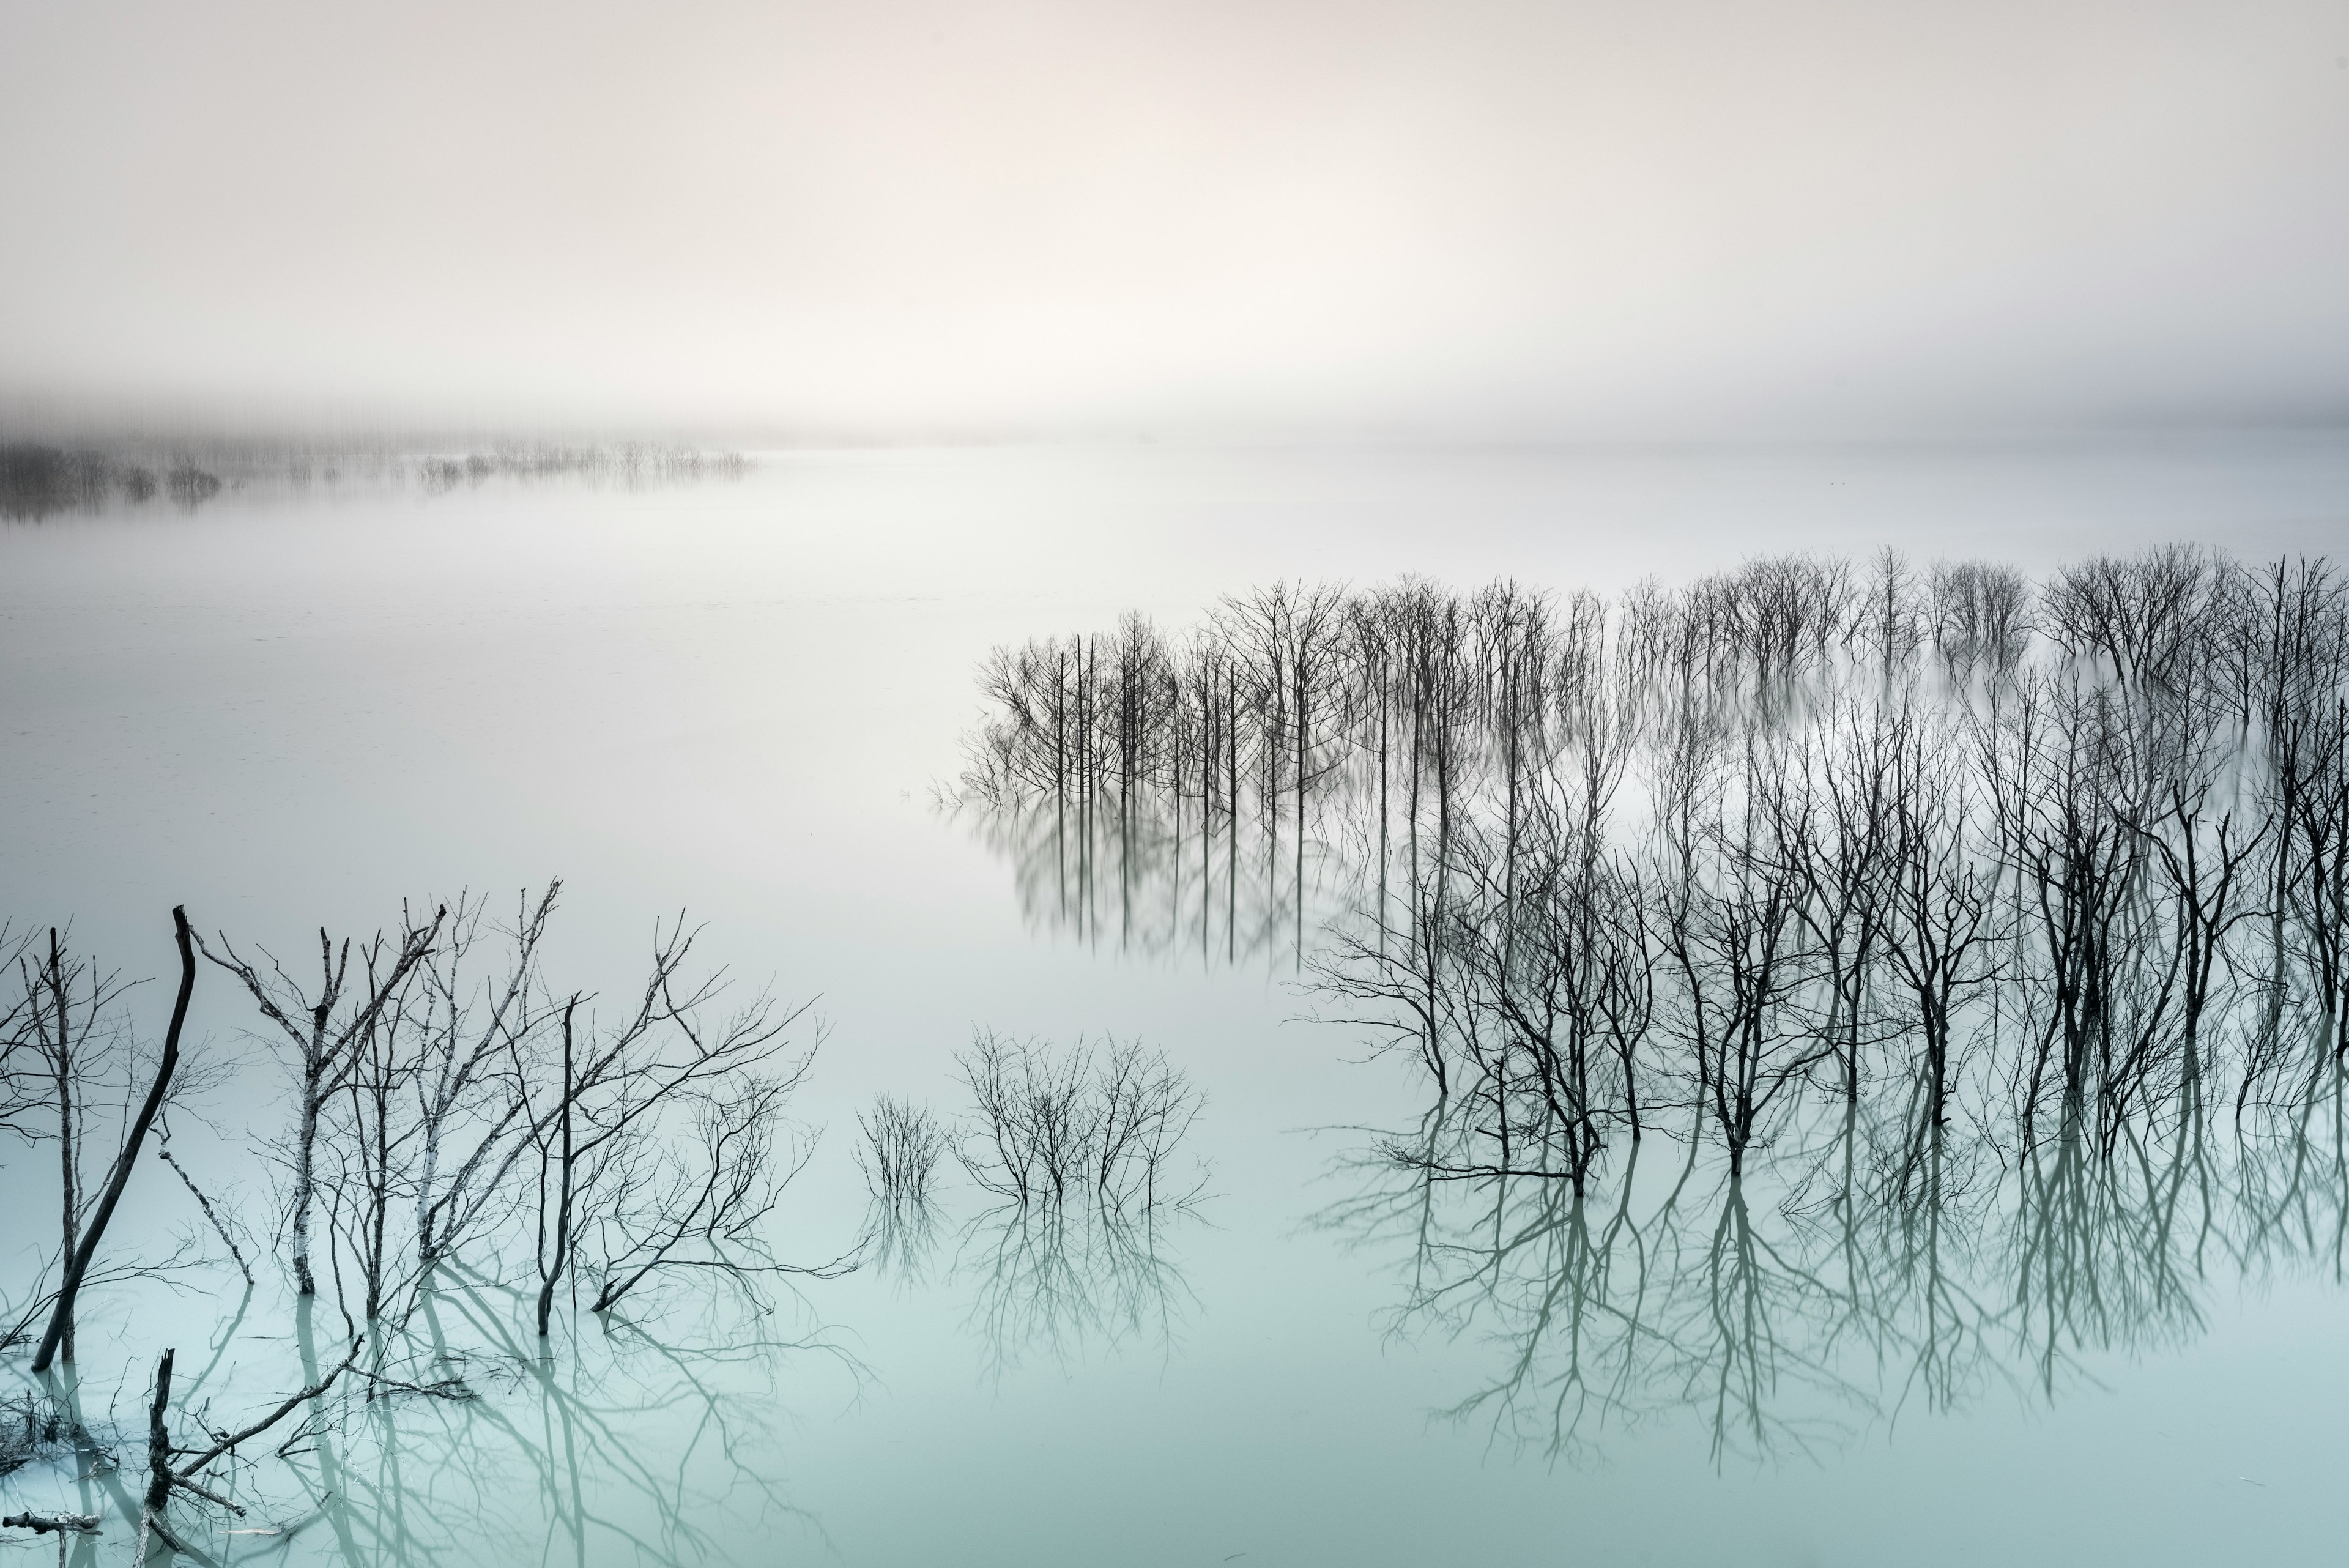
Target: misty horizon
(1309, 222)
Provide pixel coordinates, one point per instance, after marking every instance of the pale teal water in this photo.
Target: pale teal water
(737, 698)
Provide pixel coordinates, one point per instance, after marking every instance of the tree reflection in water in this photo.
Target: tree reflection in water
(634, 1444)
(1787, 1313)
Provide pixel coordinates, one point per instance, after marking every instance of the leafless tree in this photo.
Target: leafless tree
(593, 1111)
(700, 1202)
(467, 1035)
(901, 1146)
(77, 1260)
(1078, 1127)
(328, 1037)
(66, 1030)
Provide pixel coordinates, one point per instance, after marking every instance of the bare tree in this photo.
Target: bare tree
(700, 1202)
(65, 1006)
(1942, 911)
(1077, 1128)
(469, 1039)
(592, 1112)
(76, 1263)
(328, 1037)
(900, 1153)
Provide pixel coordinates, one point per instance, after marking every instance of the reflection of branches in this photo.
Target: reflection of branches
(633, 1445)
(2107, 1254)
(1081, 1146)
(1873, 1265)
(1753, 1322)
(1067, 1280)
(1581, 1347)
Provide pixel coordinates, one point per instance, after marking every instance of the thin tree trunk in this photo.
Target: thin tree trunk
(305, 1180)
(77, 1266)
(554, 1272)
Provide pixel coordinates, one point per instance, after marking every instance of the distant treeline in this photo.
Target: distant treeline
(39, 479)
(2069, 853)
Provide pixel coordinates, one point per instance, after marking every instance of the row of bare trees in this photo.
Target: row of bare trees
(2026, 854)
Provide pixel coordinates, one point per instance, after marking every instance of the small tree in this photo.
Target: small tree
(329, 1036)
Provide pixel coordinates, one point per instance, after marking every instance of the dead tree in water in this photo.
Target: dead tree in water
(1533, 972)
(1941, 912)
(1074, 1129)
(167, 1480)
(2313, 775)
(77, 1265)
(2203, 868)
(1890, 622)
(902, 1145)
(2048, 767)
(464, 1036)
(1980, 619)
(1833, 832)
(1734, 935)
(700, 1201)
(328, 1046)
(592, 1112)
(2150, 756)
(63, 1004)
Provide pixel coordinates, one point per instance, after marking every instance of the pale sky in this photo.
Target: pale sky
(1670, 218)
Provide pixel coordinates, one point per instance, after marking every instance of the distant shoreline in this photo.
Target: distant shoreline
(40, 479)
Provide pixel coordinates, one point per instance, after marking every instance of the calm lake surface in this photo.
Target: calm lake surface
(741, 699)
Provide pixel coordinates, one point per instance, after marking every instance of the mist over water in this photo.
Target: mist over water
(918, 221)
(1149, 1267)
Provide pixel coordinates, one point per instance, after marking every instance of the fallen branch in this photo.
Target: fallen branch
(294, 1402)
(159, 1463)
(183, 1484)
(209, 1213)
(452, 1387)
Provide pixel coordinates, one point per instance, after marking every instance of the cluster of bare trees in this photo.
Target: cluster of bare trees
(1077, 1128)
(450, 1110)
(1082, 1153)
(2028, 854)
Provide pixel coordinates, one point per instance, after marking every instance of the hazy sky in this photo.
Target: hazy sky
(1669, 217)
